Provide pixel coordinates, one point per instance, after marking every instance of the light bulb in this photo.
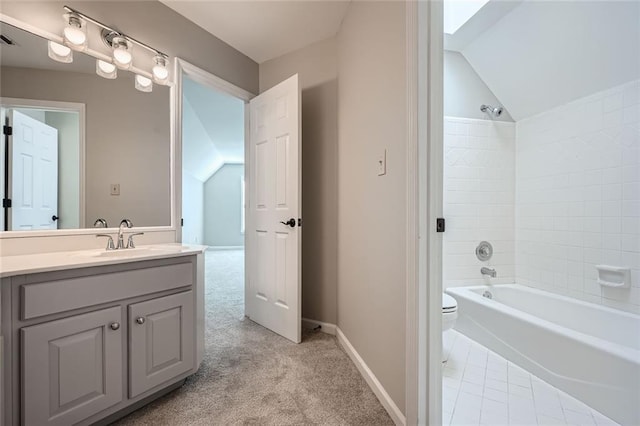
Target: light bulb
(160, 71)
(121, 54)
(75, 36)
(122, 57)
(106, 69)
(143, 83)
(60, 53)
(75, 32)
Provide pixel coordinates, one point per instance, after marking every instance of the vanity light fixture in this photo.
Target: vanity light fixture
(75, 32)
(143, 83)
(121, 52)
(121, 45)
(106, 69)
(159, 70)
(59, 52)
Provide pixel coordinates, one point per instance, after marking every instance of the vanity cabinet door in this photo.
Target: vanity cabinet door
(161, 341)
(71, 368)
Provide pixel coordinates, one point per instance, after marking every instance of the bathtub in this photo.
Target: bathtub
(589, 351)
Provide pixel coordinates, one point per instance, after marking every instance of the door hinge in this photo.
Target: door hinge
(7, 130)
(299, 222)
(440, 225)
(182, 222)
(6, 203)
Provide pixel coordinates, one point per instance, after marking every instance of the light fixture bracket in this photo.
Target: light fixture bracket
(108, 36)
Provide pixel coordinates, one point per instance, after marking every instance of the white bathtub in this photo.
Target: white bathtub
(589, 351)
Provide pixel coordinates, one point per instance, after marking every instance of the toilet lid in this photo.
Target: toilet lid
(448, 303)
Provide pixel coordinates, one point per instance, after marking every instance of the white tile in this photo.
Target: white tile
(496, 395)
(516, 379)
(572, 404)
(550, 410)
(498, 402)
(522, 391)
(549, 421)
(468, 401)
(489, 405)
(499, 385)
(472, 388)
(575, 418)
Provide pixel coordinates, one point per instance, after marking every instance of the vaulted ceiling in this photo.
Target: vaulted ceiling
(537, 55)
(213, 130)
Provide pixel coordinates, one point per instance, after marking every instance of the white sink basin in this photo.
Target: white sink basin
(134, 252)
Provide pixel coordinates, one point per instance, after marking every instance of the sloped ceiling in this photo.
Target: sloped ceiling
(264, 30)
(543, 54)
(213, 126)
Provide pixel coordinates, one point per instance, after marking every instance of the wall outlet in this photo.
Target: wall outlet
(115, 189)
(382, 163)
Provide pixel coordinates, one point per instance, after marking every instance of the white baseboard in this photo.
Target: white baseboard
(325, 327)
(377, 388)
(226, 248)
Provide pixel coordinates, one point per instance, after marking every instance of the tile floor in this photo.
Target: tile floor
(481, 387)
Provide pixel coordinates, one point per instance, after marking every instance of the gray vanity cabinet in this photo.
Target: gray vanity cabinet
(72, 368)
(86, 345)
(161, 344)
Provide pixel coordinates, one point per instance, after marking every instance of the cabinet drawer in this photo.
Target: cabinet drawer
(64, 295)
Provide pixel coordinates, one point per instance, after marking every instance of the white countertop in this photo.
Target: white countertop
(59, 261)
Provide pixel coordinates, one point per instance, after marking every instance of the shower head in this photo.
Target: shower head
(494, 112)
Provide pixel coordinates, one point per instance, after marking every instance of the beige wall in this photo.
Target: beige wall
(127, 140)
(317, 68)
(372, 209)
(150, 22)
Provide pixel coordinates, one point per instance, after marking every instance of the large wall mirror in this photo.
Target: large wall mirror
(83, 148)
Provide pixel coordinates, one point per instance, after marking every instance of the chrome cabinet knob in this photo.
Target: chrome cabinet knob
(114, 325)
(140, 320)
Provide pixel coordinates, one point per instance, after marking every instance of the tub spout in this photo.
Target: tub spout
(488, 271)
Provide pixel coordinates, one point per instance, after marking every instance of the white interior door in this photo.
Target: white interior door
(273, 286)
(34, 174)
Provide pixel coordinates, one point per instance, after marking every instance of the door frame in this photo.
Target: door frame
(72, 107)
(183, 68)
(424, 43)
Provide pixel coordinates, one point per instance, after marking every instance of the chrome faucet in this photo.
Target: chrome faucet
(100, 223)
(110, 245)
(124, 223)
(488, 271)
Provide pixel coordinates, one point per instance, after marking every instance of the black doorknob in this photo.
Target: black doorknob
(54, 218)
(291, 222)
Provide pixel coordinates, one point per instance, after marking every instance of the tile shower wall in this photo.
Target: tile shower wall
(578, 196)
(479, 176)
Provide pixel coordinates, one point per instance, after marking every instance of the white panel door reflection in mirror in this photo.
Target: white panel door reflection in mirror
(273, 291)
(34, 174)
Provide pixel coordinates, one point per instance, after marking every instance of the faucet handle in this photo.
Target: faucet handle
(130, 243)
(110, 245)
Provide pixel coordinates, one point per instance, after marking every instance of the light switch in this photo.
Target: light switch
(115, 189)
(382, 163)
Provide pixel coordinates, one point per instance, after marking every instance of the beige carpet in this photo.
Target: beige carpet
(251, 376)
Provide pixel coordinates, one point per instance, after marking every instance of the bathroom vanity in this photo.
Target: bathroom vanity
(90, 335)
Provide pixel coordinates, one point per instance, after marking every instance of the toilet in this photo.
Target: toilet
(449, 316)
(449, 312)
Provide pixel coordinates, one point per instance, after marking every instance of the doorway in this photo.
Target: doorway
(213, 127)
(42, 165)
